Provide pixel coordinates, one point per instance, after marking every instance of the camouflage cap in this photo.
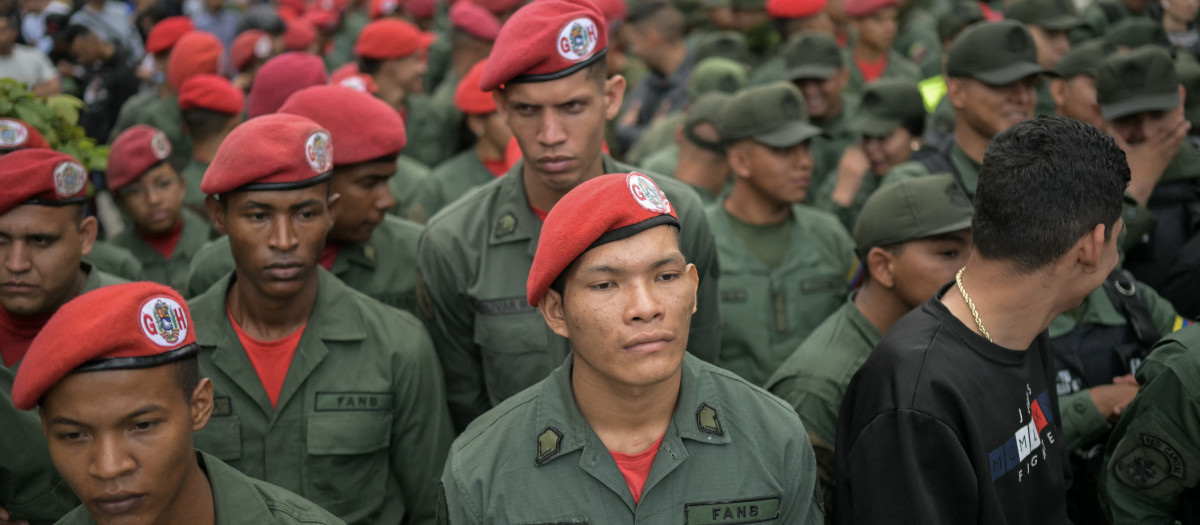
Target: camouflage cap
(1135, 82)
(716, 74)
(773, 115)
(812, 55)
(912, 209)
(1188, 70)
(957, 17)
(1084, 59)
(1051, 15)
(727, 44)
(885, 104)
(997, 54)
(1137, 32)
(708, 109)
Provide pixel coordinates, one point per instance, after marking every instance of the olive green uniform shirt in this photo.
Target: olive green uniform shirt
(193, 175)
(442, 98)
(767, 313)
(1096, 21)
(360, 427)
(664, 161)
(241, 500)
(353, 22)
(164, 115)
(384, 268)
(431, 139)
(917, 40)
(827, 149)
(967, 176)
(114, 260)
(1153, 455)
(450, 181)
(474, 261)
(847, 215)
(898, 67)
(731, 454)
(410, 176)
(131, 111)
(660, 135)
(172, 272)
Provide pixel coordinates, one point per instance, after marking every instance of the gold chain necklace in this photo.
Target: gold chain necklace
(971, 305)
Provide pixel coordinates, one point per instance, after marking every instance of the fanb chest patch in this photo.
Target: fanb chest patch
(353, 401)
(731, 512)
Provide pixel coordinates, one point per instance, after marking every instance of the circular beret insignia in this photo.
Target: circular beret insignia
(163, 321)
(577, 40)
(69, 178)
(12, 133)
(647, 194)
(318, 151)
(160, 146)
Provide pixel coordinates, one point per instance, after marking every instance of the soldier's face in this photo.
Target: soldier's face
(777, 175)
(887, 152)
(409, 71)
(922, 266)
(1076, 98)
(626, 307)
(988, 110)
(41, 247)
(559, 126)
(276, 236)
(1051, 45)
(1136, 127)
(823, 97)
(122, 440)
(365, 199)
(878, 30)
(155, 200)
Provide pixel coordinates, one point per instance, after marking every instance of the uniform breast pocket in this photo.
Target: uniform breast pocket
(222, 437)
(516, 352)
(346, 469)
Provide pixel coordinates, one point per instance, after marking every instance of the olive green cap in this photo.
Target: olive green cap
(1188, 70)
(708, 109)
(912, 209)
(773, 115)
(885, 104)
(1141, 80)
(959, 15)
(812, 55)
(1051, 15)
(1138, 32)
(727, 44)
(716, 74)
(1084, 59)
(997, 54)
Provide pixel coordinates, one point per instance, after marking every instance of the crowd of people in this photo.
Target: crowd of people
(603, 261)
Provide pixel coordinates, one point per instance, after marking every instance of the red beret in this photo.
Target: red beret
(41, 176)
(271, 152)
(785, 9)
(120, 327)
(16, 134)
(343, 72)
(167, 32)
(287, 13)
(299, 35)
(365, 127)
(280, 77)
(474, 20)
(332, 6)
(857, 8)
(391, 38)
(420, 9)
(382, 8)
(211, 92)
(499, 7)
(136, 151)
(546, 40)
(195, 53)
(468, 98)
(295, 6)
(323, 20)
(614, 11)
(604, 209)
(249, 45)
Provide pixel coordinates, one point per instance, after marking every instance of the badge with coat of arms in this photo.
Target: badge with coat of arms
(577, 40)
(69, 178)
(318, 151)
(163, 321)
(647, 194)
(12, 133)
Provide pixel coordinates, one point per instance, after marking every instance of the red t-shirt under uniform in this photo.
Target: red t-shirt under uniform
(871, 70)
(17, 333)
(271, 359)
(164, 244)
(636, 467)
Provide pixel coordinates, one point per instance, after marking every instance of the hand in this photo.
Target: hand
(851, 169)
(1150, 158)
(1112, 399)
(5, 519)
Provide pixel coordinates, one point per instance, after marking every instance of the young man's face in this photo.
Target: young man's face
(988, 110)
(85, 49)
(408, 72)
(1076, 98)
(122, 440)
(1136, 127)
(155, 200)
(559, 125)
(626, 307)
(276, 236)
(823, 96)
(878, 30)
(889, 151)
(1051, 45)
(781, 175)
(41, 248)
(365, 199)
(919, 268)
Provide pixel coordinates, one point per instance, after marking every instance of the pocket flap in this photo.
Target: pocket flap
(348, 433)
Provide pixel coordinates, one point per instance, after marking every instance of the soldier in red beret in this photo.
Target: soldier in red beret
(17, 135)
(871, 57)
(547, 73)
(159, 43)
(281, 76)
(321, 390)
(211, 106)
(473, 29)
(106, 375)
(196, 53)
(43, 238)
(164, 235)
(627, 426)
(250, 50)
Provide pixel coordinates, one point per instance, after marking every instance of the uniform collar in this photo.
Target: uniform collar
(234, 498)
(560, 427)
(361, 254)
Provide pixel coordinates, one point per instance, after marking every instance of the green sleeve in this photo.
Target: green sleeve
(1081, 419)
(212, 262)
(908, 170)
(1139, 225)
(823, 199)
(114, 260)
(455, 505)
(404, 185)
(1162, 312)
(816, 400)
(806, 500)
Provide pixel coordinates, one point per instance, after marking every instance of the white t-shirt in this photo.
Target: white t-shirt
(27, 65)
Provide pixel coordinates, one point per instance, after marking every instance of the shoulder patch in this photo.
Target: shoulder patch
(549, 442)
(1151, 459)
(707, 420)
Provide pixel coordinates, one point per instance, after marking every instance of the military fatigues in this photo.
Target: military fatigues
(1169, 222)
(360, 427)
(767, 313)
(239, 499)
(430, 138)
(453, 179)
(730, 455)
(898, 66)
(823, 198)
(131, 111)
(660, 135)
(410, 176)
(952, 161)
(383, 268)
(917, 40)
(164, 115)
(172, 272)
(827, 149)
(474, 261)
(353, 22)
(193, 174)
(1099, 16)
(114, 260)
(1151, 459)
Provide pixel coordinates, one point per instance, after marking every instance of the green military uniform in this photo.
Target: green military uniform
(431, 140)
(239, 499)
(847, 215)
(917, 40)
(114, 260)
(1151, 459)
(164, 115)
(131, 111)
(474, 260)
(192, 174)
(660, 134)
(360, 426)
(666, 161)
(172, 272)
(898, 67)
(443, 98)
(731, 454)
(827, 149)
(383, 268)
(952, 160)
(410, 176)
(767, 312)
(440, 54)
(353, 22)
(453, 179)
(1048, 15)
(1099, 16)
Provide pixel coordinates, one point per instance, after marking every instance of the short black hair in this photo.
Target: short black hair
(187, 375)
(915, 124)
(662, 16)
(369, 66)
(1044, 184)
(204, 123)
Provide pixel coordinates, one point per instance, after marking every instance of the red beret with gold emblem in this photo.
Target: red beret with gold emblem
(546, 40)
(271, 152)
(135, 152)
(16, 134)
(120, 327)
(41, 176)
(364, 127)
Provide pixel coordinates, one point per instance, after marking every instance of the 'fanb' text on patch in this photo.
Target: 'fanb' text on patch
(732, 512)
(352, 401)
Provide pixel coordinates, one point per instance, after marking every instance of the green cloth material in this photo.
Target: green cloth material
(767, 313)
(360, 427)
(848, 216)
(431, 138)
(449, 181)
(659, 135)
(131, 111)
(827, 149)
(967, 169)
(730, 450)
(474, 261)
(353, 22)
(768, 243)
(1097, 21)
(410, 176)
(163, 114)
(917, 40)
(114, 260)
(193, 175)
(382, 268)
(241, 500)
(171, 271)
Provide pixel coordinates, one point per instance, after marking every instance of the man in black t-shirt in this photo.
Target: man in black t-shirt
(954, 418)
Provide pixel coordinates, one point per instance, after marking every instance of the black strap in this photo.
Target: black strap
(1122, 290)
(938, 161)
